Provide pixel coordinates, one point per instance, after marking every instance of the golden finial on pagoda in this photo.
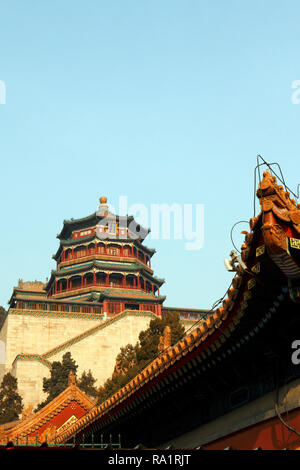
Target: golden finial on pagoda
(103, 207)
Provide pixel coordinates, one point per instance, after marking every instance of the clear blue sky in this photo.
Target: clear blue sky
(161, 101)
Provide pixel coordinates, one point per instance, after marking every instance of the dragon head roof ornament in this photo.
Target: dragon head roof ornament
(277, 210)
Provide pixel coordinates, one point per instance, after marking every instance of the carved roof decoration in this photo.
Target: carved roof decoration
(274, 199)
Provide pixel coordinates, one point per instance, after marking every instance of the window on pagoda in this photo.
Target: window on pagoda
(91, 249)
(148, 287)
(97, 309)
(150, 308)
(113, 307)
(88, 279)
(113, 250)
(130, 282)
(115, 280)
(80, 251)
(132, 307)
(76, 282)
(127, 250)
(100, 278)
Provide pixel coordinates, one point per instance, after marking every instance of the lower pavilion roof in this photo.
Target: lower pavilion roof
(34, 422)
(121, 294)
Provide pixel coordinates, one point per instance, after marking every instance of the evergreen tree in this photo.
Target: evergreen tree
(10, 401)
(86, 384)
(58, 380)
(126, 358)
(149, 338)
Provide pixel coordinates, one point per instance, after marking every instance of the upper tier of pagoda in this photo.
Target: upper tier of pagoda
(105, 224)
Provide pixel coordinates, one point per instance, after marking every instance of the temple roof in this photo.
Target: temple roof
(252, 301)
(31, 422)
(27, 294)
(93, 219)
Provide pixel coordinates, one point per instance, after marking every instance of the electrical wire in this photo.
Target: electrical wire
(239, 222)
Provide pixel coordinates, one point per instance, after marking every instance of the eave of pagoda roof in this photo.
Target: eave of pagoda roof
(93, 219)
(117, 268)
(79, 241)
(124, 294)
(253, 302)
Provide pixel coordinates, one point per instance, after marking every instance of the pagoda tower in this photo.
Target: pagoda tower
(102, 259)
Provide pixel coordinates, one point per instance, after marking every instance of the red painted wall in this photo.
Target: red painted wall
(269, 435)
(72, 409)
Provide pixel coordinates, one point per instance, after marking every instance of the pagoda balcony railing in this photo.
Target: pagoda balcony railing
(104, 255)
(57, 308)
(101, 285)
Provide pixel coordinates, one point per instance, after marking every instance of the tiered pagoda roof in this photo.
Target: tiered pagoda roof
(101, 260)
